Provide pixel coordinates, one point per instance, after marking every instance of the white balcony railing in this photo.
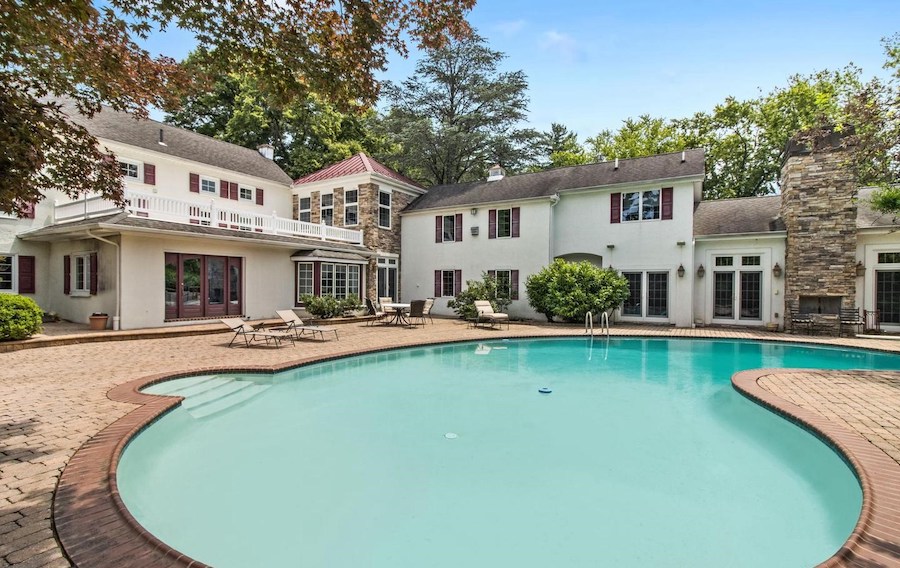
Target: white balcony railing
(162, 208)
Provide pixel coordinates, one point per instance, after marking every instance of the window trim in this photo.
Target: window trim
(307, 210)
(444, 274)
(509, 211)
(323, 208)
(215, 182)
(74, 289)
(242, 188)
(138, 168)
(641, 192)
(452, 218)
(388, 207)
(13, 274)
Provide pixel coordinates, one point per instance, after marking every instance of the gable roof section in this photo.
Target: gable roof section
(180, 143)
(357, 164)
(540, 184)
(738, 216)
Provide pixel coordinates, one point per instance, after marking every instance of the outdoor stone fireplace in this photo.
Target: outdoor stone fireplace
(819, 213)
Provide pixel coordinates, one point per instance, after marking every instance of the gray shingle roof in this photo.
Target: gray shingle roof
(540, 184)
(866, 217)
(123, 127)
(737, 216)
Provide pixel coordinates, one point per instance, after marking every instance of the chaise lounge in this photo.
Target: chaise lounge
(295, 325)
(487, 315)
(251, 334)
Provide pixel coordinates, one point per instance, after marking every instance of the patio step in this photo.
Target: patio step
(222, 397)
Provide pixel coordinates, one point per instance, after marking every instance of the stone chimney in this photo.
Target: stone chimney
(267, 150)
(819, 213)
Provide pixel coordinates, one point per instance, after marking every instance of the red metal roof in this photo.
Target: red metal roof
(356, 164)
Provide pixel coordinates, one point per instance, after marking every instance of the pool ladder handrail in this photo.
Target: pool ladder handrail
(589, 323)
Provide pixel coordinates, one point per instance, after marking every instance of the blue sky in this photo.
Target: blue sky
(592, 64)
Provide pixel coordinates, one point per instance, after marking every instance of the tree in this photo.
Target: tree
(307, 131)
(559, 147)
(569, 290)
(645, 136)
(457, 115)
(90, 54)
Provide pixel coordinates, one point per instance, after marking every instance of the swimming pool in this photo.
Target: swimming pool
(643, 454)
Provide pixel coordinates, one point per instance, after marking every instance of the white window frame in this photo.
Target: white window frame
(444, 274)
(506, 280)
(351, 206)
(644, 300)
(138, 169)
(13, 274)
(385, 207)
(215, 183)
(304, 279)
(509, 212)
(641, 197)
(82, 286)
(323, 208)
(301, 210)
(248, 189)
(451, 237)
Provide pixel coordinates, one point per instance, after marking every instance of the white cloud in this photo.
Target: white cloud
(562, 44)
(510, 28)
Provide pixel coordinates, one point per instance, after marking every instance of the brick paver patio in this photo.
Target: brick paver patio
(54, 399)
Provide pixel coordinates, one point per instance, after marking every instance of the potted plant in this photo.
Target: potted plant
(98, 321)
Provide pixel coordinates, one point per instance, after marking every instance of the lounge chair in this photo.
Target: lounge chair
(416, 312)
(296, 326)
(251, 334)
(429, 303)
(487, 315)
(373, 311)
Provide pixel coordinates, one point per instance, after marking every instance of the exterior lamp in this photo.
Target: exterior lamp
(776, 271)
(474, 211)
(680, 271)
(701, 271)
(860, 269)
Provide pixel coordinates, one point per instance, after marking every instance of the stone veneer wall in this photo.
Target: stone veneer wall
(819, 213)
(376, 238)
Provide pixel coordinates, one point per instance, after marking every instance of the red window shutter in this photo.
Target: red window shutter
(438, 229)
(458, 227)
(513, 284)
(29, 211)
(150, 174)
(515, 222)
(26, 274)
(233, 190)
(667, 203)
(94, 283)
(317, 278)
(457, 282)
(615, 208)
(194, 185)
(67, 275)
(492, 224)
(223, 189)
(438, 289)
(259, 196)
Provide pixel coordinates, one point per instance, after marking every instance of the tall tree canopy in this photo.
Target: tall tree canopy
(559, 147)
(307, 131)
(91, 55)
(457, 114)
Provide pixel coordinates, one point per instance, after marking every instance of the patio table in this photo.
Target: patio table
(398, 312)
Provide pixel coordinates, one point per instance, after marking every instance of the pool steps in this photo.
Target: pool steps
(210, 394)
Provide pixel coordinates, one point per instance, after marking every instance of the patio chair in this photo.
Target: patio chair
(799, 321)
(384, 300)
(295, 325)
(429, 303)
(850, 318)
(251, 334)
(486, 314)
(373, 311)
(416, 312)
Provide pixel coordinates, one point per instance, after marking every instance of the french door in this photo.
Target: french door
(737, 289)
(198, 286)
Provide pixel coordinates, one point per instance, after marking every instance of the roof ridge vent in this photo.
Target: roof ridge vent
(496, 173)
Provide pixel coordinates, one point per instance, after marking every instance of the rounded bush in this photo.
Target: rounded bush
(20, 317)
(569, 290)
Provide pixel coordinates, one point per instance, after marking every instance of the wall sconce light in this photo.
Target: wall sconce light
(610, 247)
(680, 243)
(680, 271)
(860, 269)
(701, 271)
(474, 211)
(776, 270)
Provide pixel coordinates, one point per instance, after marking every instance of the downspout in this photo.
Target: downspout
(118, 275)
(554, 199)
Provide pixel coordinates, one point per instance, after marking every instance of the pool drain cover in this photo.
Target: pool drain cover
(451, 435)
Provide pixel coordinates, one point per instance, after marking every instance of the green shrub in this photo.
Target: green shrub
(569, 290)
(351, 303)
(484, 289)
(20, 317)
(322, 306)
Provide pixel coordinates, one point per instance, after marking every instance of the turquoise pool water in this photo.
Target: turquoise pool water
(448, 456)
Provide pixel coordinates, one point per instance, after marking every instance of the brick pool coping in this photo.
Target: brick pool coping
(95, 528)
(875, 541)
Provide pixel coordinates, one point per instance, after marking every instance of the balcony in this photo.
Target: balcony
(159, 208)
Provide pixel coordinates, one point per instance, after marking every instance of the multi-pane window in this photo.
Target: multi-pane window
(327, 280)
(327, 209)
(641, 205)
(447, 283)
(208, 185)
(750, 261)
(246, 193)
(724, 261)
(504, 283)
(887, 295)
(128, 169)
(351, 207)
(449, 230)
(657, 294)
(81, 273)
(632, 304)
(7, 272)
(304, 210)
(305, 278)
(384, 210)
(504, 223)
(889, 258)
(339, 280)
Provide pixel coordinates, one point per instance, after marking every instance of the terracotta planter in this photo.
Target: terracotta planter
(99, 322)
